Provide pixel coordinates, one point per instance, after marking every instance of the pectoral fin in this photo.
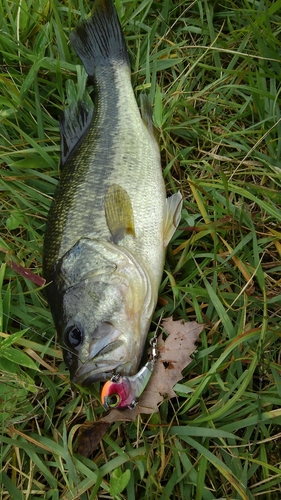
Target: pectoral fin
(172, 216)
(119, 213)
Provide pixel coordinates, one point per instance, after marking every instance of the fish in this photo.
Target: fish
(110, 221)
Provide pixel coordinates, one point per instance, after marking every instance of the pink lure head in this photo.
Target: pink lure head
(117, 394)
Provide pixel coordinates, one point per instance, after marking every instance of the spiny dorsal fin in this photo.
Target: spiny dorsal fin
(119, 213)
(172, 216)
(74, 124)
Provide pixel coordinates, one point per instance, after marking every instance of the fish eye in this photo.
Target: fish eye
(113, 400)
(74, 336)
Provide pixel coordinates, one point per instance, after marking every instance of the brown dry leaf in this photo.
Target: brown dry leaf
(174, 356)
(89, 436)
(26, 273)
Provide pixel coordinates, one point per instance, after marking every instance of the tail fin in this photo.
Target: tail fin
(99, 41)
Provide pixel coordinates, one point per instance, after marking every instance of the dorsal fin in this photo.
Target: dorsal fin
(74, 124)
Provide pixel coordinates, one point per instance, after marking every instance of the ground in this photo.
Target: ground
(212, 72)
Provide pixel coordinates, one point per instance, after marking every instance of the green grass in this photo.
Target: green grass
(213, 72)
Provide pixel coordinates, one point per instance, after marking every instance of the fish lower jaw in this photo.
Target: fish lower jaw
(92, 371)
(87, 374)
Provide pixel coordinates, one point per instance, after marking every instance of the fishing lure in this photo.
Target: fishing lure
(124, 392)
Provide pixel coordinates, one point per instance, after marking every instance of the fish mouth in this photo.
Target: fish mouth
(102, 365)
(92, 372)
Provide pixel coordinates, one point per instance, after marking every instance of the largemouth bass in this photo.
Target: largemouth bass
(110, 221)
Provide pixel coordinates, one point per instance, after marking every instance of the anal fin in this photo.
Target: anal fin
(146, 113)
(172, 216)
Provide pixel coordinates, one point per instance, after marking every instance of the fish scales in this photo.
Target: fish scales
(109, 222)
(124, 143)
